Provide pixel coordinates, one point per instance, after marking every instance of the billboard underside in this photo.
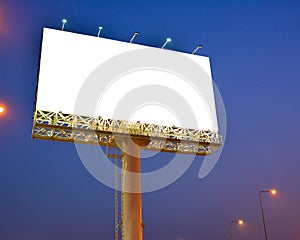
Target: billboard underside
(79, 129)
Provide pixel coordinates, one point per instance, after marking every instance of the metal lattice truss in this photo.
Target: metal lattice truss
(96, 130)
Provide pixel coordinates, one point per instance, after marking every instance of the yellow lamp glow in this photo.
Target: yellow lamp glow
(273, 191)
(2, 110)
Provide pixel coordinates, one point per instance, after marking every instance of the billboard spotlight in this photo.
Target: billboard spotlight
(64, 21)
(197, 48)
(133, 37)
(99, 31)
(166, 42)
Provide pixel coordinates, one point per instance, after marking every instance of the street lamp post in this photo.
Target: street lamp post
(272, 191)
(239, 222)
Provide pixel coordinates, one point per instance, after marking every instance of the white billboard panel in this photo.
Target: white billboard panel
(68, 60)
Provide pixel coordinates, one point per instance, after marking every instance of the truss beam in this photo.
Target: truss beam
(80, 129)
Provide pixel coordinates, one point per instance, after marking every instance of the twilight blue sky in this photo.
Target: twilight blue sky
(45, 191)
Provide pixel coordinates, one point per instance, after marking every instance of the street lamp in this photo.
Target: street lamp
(239, 222)
(273, 192)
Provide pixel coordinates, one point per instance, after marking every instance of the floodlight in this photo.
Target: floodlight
(196, 49)
(99, 31)
(166, 42)
(64, 21)
(133, 37)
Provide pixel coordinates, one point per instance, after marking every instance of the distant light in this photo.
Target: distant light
(166, 42)
(240, 222)
(2, 109)
(273, 191)
(64, 21)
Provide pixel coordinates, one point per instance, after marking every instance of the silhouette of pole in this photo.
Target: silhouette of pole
(239, 222)
(262, 209)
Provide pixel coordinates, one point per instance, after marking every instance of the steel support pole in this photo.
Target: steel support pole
(132, 225)
(263, 214)
(230, 231)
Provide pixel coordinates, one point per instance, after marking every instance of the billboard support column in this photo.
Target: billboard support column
(132, 224)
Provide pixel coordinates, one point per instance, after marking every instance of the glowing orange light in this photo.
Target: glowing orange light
(240, 222)
(273, 191)
(2, 110)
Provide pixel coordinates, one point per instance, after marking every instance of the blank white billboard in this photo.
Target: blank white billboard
(69, 60)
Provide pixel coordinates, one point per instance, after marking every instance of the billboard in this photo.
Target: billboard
(146, 94)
